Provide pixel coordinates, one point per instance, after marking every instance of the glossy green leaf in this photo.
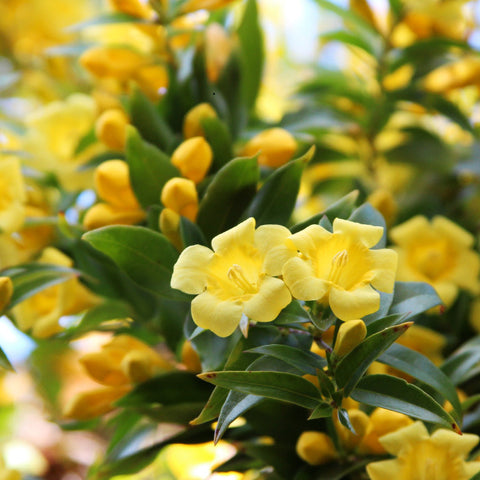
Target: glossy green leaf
(398, 395)
(146, 256)
(276, 385)
(305, 361)
(322, 410)
(190, 233)
(462, 364)
(385, 322)
(230, 191)
(420, 367)
(344, 419)
(275, 201)
(219, 138)
(149, 168)
(293, 314)
(348, 38)
(412, 298)
(251, 53)
(353, 366)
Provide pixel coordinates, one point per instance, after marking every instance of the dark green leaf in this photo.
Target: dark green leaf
(352, 367)
(275, 200)
(149, 168)
(190, 233)
(293, 314)
(219, 138)
(323, 410)
(385, 322)
(344, 419)
(396, 394)
(276, 385)
(146, 256)
(228, 194)
(412, 298)
(348, 38)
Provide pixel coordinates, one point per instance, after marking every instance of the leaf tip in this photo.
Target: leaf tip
(456, 429)
(207, 376)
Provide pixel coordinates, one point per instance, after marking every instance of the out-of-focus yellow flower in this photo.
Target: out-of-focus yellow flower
(349, 335)
(399, 78)
(236, 278)
(359, 421)
(41, 312)
(218, 47)
(439, 253)
(7, 473)
(169, 224)
(458, 74)
(475, 315)
(110, 128)
(193, 158)
(192, 123)
(6, 291)
(152, 80)
(180, 195)
(12, 195)
(340, 268)
(190, 357)
(274, 147)
(380, 423)
(112, 182)
(385, 203)
(136, 8)
(193, 5)
(316, 448)
(440, 456)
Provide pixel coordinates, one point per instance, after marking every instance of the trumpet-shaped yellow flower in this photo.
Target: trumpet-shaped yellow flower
(439, 253)
(420, 456)
(340, 268)
(236, 278)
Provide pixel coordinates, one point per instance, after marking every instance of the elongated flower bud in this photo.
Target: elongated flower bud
(350, 334)
(180, 195)
(193, 158)
(110, 128)
(192, 126)
(316, 448)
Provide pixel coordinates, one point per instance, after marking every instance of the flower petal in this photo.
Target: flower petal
(190, 271)
(384, 266)
(385, 469)
(309, 239)
(403, 438)
(274, 245)
(299, 278)
(447, 291)
(410, 230)
(241, 234)
(369, 235)
(454, 443)
(221, 317)
(351, 305)
(265, 306)
(466, 271)
(449, 229)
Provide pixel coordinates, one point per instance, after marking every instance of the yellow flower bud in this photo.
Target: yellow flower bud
(103, 214)
(399, 78)
(180, 195)
(136, 8)
(152, 80)
(359, 421)
(453, 75)
(218, 47)
(190, 357)
(193, 158)
(169, 223)
(115, 62)
(112, 182)
(315, 448)
(381, 422)
(6, 292)
(192, 126)
(110, 128)
(274, 146)
(350, 334)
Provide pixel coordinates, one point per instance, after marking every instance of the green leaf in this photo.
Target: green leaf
(219, 138)
(449, 110)
(341, 208)
(276, 385)
(104, 19)
(228, 194)
(348, 38)
(463, 364)
(396, 394)
(344, 419)
(323, 410)
(352, 367)
(305, 361)
(412, 298)
(276, 199)
(190, 233)
(31, 278)
(149, 168)
(149, 122)
(251, 53)
(421, 368)
(5, 362)
(146, 256)
(385, 322)
(293, 314)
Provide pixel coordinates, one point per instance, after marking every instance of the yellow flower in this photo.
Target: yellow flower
(12, 195)
(193, 158)
(420, 456)
(340, 268)
(236, 278)
(112, 182)
(439, 253)
(152, 80)
(458, 74)
(218, 47)
(359, 421)
(180, 195)
(192, 126)
(6, 291)
(349, 335)
(136, 8)
(274, 146)
(316, 448)
(110, 128)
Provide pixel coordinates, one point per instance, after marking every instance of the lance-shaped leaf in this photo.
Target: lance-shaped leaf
(230, 191)
(306, 362)
(421, 368)
(31, 278)
(352, 367)
(322, 410)
(149, 167)
(412, 298)
(276, 385)
(275, 200)
(385, 322)
(464, 363)
(146, 256)
(219, 138)
(396, 394)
